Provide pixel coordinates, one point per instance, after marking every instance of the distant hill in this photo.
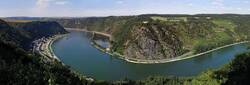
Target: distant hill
(24, 33)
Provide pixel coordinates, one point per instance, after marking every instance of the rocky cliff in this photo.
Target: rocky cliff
(153, 43)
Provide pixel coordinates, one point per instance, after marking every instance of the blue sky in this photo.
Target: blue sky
(83, 8)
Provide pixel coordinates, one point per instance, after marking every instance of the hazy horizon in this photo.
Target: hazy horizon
(102, 8)
(115, 15)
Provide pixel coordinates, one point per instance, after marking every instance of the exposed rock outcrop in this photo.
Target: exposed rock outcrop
(153, 43)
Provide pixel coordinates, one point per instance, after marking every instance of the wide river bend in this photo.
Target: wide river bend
(76, 50)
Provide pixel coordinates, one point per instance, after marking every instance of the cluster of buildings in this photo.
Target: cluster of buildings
(42, 46)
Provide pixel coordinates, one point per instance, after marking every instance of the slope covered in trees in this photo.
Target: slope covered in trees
(23, 33)
(12, 35)
(156, 37)
(20, 67)
(36, 29)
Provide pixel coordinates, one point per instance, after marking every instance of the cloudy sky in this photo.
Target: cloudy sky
(83, 8)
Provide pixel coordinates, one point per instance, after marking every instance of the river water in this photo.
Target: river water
(76, 51)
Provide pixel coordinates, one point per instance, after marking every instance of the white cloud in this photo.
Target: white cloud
(61, 2)
(239, 8)
(42, 3)
(41, 6)
(46, 3)
(120, 2)
(190, 4)
(217, 2)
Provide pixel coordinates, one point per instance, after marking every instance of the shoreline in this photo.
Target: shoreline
(43, 46)
(182, 57)
(185, 56)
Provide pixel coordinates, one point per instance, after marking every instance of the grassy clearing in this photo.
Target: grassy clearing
(19, 21)
(169, 18)
(224, 24)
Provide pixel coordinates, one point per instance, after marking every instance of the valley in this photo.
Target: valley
(98, 64)
(86, 50)
(125, 42)
(164, 38)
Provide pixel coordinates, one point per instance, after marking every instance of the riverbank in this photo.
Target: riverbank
(182, 57)
(140, 61)
(43, 47)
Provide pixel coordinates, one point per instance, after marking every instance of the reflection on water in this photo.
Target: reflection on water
(102, 43)
(76, 51)
(101, 40)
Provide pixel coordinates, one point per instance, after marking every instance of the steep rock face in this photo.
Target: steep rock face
(153, 43)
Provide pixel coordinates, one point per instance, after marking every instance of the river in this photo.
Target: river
(76, 50)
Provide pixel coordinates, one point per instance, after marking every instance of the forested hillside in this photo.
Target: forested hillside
(18, 66)
(154, 37)
(36, 29)
(12, 35)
